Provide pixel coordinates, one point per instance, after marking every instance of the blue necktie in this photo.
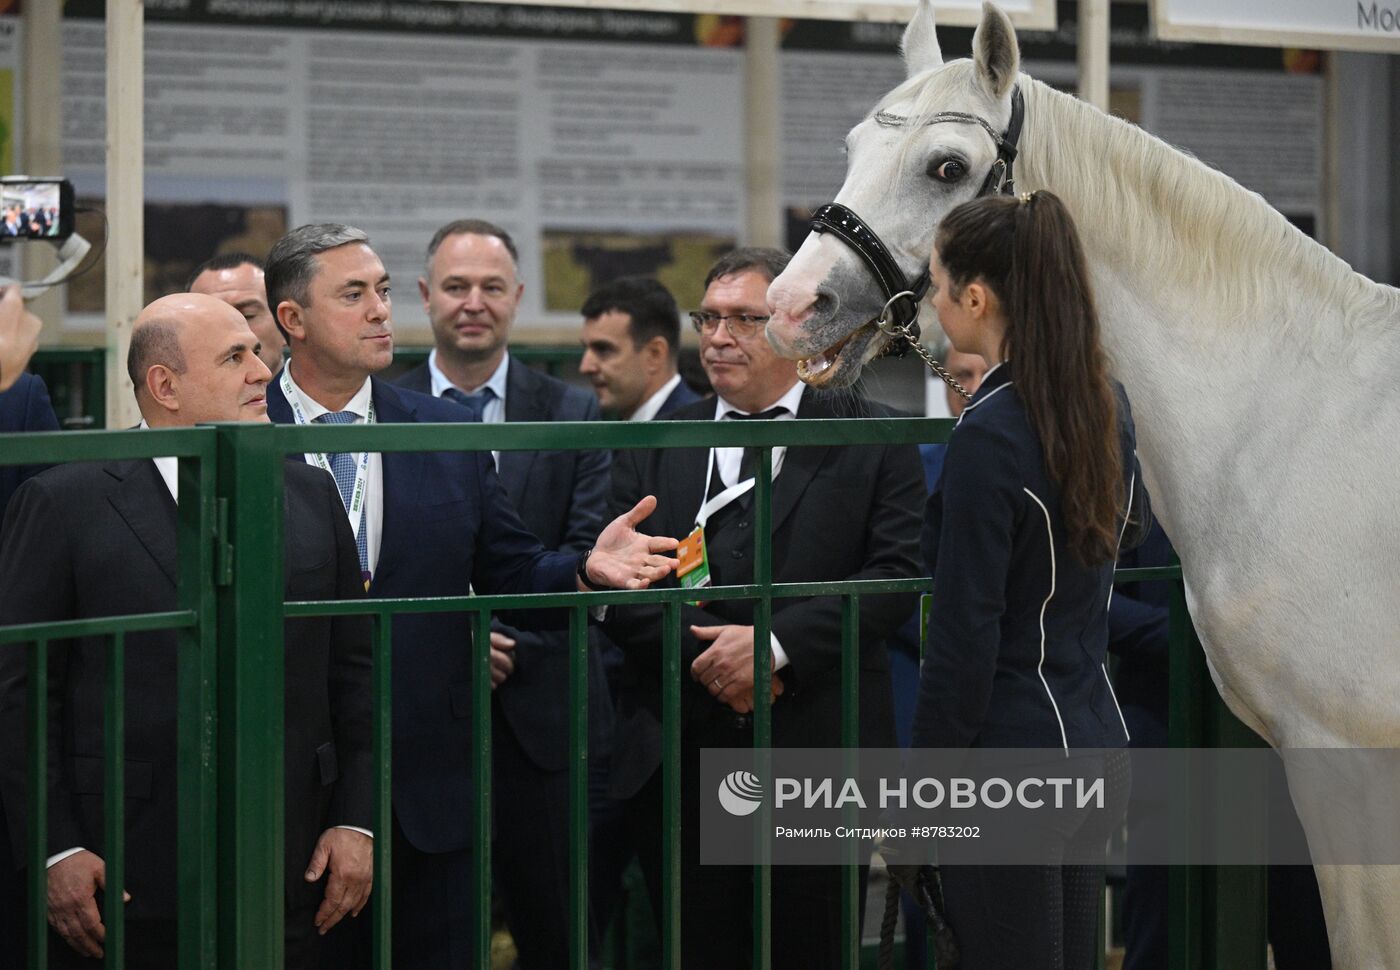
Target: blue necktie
(475, 403)
(343, 468)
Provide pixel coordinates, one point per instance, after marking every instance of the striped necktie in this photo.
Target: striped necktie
(343, 468)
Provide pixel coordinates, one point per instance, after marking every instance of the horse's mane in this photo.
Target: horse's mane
(1161, 214)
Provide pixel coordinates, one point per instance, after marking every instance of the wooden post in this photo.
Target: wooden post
(1093, 52)
(762, 136)
(125, 198)
(41, 140)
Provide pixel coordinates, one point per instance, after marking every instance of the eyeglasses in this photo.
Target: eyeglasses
(740, 324)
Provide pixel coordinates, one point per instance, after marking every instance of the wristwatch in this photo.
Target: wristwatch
(582, 570)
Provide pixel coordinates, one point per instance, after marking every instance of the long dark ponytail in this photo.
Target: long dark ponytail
(1027, 251)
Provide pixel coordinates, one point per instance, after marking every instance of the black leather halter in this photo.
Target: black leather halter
(900, 316)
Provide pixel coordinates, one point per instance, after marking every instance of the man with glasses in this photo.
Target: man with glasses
(837, 514)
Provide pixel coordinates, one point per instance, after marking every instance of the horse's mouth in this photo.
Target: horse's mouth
(839, 364)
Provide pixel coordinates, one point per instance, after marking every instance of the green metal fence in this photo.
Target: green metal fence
(229, 618)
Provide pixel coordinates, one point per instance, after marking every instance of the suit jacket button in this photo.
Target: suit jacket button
(743, 525)
(736, 553)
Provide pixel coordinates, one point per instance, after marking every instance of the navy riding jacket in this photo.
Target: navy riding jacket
(1018, 628)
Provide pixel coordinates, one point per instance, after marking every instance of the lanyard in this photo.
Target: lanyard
(357, 497)
(713, 505)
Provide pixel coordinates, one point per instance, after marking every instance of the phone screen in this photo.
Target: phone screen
(36, 210)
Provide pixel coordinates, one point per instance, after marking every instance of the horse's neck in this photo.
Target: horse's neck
(1213, 310)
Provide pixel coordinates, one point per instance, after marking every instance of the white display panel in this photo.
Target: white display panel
(1356, 25)
(578, 148)
(1039, 14)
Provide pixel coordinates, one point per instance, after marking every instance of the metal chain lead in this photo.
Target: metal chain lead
(939, 369)
(896, 330)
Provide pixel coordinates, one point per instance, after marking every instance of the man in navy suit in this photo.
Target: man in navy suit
(631, 347)
(24, 407)
(426, 524)
(471, 291)
(19, 336)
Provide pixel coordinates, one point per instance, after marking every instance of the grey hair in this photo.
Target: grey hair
(766, 260)
(154, 342)
(291, 265)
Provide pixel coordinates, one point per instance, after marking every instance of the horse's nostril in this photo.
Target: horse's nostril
(823, 304)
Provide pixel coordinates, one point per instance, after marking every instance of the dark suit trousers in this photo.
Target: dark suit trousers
(151, 945)
(717, 901)
(432, 919)
(529, 854)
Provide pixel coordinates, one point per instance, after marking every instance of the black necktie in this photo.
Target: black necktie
(750, 458)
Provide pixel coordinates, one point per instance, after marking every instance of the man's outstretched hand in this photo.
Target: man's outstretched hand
(624, 558)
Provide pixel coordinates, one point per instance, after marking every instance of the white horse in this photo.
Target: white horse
(1265, 379)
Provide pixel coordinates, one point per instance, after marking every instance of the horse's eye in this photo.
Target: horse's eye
(946, 170)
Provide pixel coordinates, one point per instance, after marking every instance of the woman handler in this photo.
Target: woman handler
(1021, 534)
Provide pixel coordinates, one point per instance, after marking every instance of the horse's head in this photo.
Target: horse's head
(905, 169)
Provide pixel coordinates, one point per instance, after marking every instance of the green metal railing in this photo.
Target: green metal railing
(229, 618)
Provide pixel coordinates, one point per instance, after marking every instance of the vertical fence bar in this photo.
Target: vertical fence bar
(251, 702)
(925, 605)
(670, 915)
(481, 785)
(578, 788)
(1185, 729)
(382, 906)
(196, 782)
(850, 741)
(38, 804)
(763, 704)
(114, 805)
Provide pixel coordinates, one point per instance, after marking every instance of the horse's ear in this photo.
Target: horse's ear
(920, 43)
(994, 51)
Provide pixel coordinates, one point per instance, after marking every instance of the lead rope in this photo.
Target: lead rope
(928, 895)
(885, 957)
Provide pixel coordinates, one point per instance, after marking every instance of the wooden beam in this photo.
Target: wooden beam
(125, 198)
(1093, 52)
(41, 139)
(762, 134)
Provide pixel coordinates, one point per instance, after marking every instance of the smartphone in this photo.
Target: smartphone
(35, 208)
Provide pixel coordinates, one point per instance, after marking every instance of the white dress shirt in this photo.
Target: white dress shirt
(651, 405)
(727, 461)
(374, 481)
(495, 410)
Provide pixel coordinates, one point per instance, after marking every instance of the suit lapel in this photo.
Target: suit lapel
(800, 464)
(144, 503)
(525, 401)
(419, 379)
(685, 488)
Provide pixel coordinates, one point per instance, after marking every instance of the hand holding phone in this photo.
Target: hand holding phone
(19, 336)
